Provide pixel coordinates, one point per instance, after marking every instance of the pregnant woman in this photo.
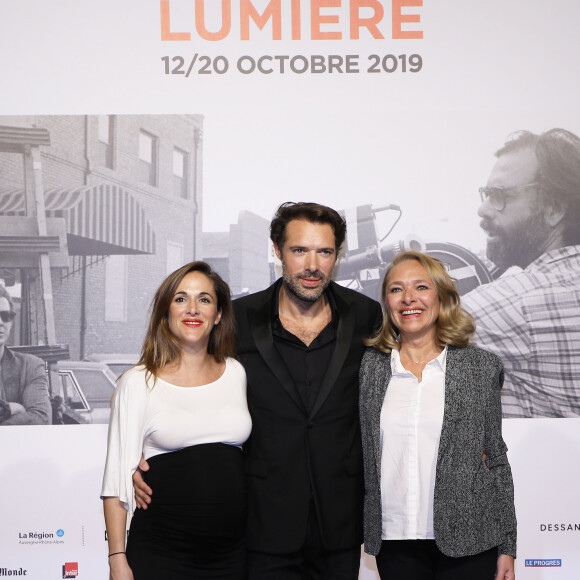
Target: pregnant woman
(183, 407)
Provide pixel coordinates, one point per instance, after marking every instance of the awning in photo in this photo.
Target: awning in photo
(101, 219)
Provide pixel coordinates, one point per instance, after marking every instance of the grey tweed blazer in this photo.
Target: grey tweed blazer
(474, 501)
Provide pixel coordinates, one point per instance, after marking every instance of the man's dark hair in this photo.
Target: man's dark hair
(310, 212)
(558, 177)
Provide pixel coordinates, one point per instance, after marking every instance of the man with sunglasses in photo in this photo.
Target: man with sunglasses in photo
(24, 398)
(530, 315)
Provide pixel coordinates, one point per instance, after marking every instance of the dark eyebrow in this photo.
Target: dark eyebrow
(300, 247)
(203, 293)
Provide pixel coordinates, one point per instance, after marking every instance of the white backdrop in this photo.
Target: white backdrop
(423, 140)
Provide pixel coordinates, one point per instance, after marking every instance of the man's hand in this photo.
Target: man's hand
(16, 408)
(143, 492)
(505, 568)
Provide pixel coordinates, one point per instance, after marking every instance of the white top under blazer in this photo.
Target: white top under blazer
(411, 422)
(151, 420)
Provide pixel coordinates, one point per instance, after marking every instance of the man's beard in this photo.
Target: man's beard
(519, 247)
(296, 290)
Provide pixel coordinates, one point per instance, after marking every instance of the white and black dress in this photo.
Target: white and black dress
(194, 527)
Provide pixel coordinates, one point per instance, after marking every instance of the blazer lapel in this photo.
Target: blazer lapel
(12, 375)
(454, 369)
(262, 334)
(383, 375)
(344, 337)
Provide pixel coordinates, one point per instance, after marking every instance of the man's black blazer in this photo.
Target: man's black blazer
(293, 455)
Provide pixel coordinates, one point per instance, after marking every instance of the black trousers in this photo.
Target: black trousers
(422, 560)
(312, 562)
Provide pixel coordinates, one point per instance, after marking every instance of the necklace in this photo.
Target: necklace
(420, 361)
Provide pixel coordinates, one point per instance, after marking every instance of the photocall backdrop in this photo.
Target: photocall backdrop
(194, 120)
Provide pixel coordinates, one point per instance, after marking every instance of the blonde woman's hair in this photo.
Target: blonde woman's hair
(454, 326)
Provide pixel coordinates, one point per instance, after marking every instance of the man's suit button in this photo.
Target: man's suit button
(310, 424)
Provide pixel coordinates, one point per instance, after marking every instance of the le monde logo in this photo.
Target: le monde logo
(13, 572)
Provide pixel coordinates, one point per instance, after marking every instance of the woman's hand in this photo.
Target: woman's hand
(119, 568)
(505, 568)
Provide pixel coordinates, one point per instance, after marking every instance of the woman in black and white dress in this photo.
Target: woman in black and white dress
(183, 407)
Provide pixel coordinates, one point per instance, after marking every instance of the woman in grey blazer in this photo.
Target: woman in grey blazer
(438, 486)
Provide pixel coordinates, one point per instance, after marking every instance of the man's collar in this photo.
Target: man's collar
(555, 255)
(549, 257)
(6, 354)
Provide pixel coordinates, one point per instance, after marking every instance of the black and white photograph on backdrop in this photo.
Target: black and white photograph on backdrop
(123, 198)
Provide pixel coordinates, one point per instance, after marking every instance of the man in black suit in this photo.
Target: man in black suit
(301, 343)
